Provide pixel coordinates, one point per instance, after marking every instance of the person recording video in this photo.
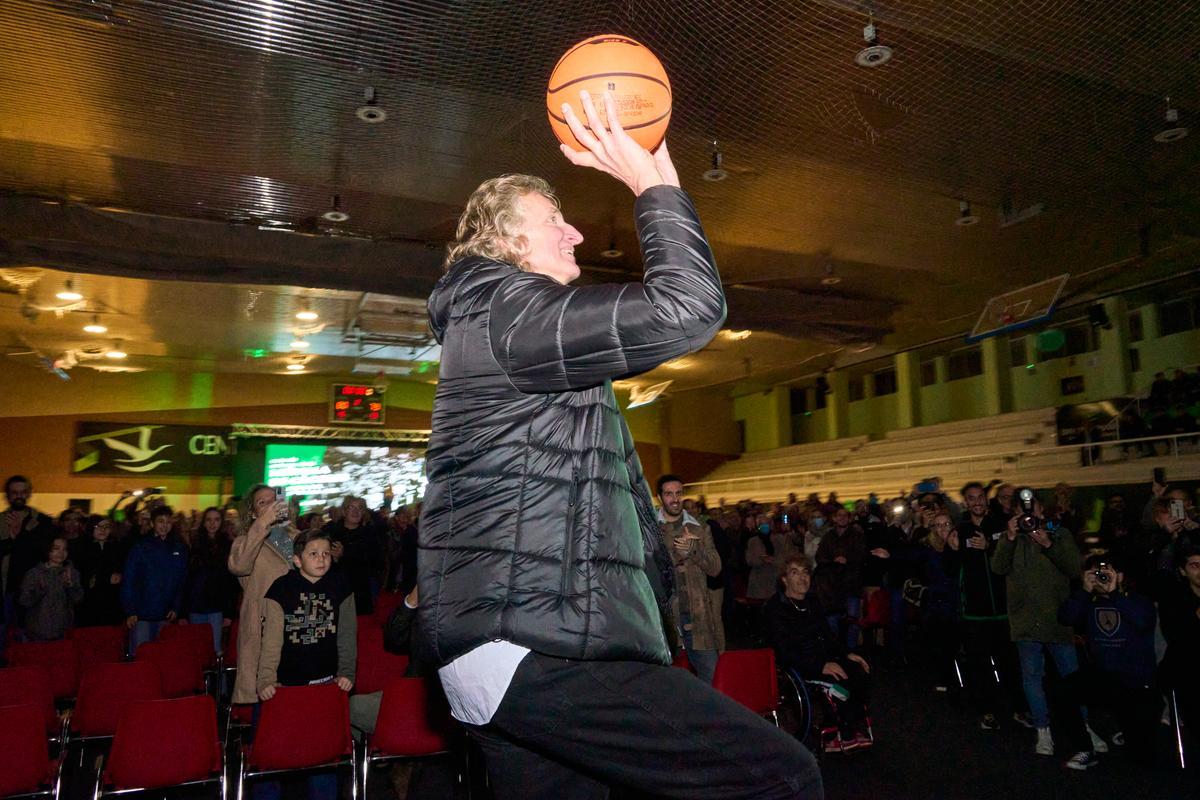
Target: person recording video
(1119, 673)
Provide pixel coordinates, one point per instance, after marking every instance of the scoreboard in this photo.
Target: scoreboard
(356, 404)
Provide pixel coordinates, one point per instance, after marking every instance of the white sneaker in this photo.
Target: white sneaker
(1045, 743)
(1098, 744)
(1082, 760)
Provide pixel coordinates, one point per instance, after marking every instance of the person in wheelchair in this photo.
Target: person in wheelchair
(799, 632)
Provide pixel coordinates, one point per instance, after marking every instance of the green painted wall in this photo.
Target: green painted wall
(874, 416)
(767, 416)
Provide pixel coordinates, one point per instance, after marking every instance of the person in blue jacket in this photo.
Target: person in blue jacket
(1120, 669)
(153, 580)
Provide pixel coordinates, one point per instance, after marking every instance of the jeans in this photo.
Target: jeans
(143, 631)
(704, 662)
(1033, 670)
(567, 729)
(853, 609)
(216, 619)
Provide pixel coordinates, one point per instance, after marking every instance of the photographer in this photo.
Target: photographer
(1038, 565)
(1119, 628)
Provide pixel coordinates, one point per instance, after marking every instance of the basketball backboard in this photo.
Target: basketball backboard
(1019, 308)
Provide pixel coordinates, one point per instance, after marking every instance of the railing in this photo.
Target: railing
(1006, 461)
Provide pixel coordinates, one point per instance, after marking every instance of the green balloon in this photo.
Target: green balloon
(1050, 340)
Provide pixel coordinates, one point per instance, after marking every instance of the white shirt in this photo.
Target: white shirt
(476, 682)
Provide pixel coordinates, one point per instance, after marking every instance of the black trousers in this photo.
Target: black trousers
(1137, 710)
(852, 712)
(569, 730)
(986, 642)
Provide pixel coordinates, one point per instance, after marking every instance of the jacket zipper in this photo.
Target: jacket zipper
(569, 549)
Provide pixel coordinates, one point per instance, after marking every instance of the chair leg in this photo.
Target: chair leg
(241, 784)
(366, 770)
(354, 772)
(98, 788)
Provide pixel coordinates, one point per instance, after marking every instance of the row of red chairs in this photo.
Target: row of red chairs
(161, 743)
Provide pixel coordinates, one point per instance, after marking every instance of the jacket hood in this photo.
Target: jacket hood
(465, 275)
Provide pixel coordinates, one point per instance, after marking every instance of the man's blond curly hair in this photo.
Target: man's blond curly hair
(489, 224)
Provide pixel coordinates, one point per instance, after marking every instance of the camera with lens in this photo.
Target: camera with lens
(1027, 520)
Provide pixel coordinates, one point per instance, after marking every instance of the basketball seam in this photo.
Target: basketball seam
(602, 38)
(562, 121)
(554, 89)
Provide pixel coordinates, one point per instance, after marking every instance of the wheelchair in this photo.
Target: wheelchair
(811, 715)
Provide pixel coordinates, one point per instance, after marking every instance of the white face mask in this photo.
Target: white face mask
(817, 522)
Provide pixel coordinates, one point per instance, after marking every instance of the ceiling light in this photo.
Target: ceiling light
(830, 279)
(368, 112)
(299, 343)
(68, 293)
(874, 54)
(717, 173)
(1174, 131)
(613, 251)
(94, 326)
(296, 367)
(306, 314)
(335, 213)
(965, 217)
(116, 352)
(736, 336)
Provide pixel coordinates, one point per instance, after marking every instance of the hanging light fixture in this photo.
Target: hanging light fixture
(117, 351)
(94, 326)
(716, 173)
(299, 343)
(69, 293)
(306, 314)
(874, 54)
(965, 216)
(1174, 131)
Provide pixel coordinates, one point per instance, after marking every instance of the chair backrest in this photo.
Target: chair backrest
(412, 721)
(681, 661)
(376, 667)
(165, 743)
(57, 658)
(748, 676)
(29, 685)
(198, 637)
(180, 667)
(100, 644)
(24, 757)
(107, 690)
(302, 726)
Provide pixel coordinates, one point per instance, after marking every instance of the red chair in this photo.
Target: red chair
(410, 725)
(681, 661)
(198, 637)
(177, 662)
(322, 714)
(376, 667)
(748, 676)
(101, 644)
(161, 743)
(30, 685)
(105, 693)
(25, 765)
(59, 659)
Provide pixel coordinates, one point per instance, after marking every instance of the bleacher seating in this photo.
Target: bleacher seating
(1019, 447)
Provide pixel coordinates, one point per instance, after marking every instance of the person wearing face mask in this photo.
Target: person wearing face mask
(839, 566)
(815, 534)
(761, 558)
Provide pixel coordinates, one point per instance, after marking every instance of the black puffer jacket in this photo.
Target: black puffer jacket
(537, 525)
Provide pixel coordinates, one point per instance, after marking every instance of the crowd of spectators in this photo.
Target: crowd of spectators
(983, 593)
(977, 592)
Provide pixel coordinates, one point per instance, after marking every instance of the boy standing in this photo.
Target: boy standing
(1119, 627)
(310, 625)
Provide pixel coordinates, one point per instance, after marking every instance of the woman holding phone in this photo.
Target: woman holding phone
(261, 553)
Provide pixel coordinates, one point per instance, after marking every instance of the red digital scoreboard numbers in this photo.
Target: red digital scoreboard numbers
(355, 404)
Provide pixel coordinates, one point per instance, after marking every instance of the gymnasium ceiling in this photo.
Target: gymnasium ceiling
(195, 140)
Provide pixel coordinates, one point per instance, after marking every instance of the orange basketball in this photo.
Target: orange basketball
(619, 65)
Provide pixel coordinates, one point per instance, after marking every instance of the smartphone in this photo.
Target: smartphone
(281, 494)
(1160, 476)
(1177, 511)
